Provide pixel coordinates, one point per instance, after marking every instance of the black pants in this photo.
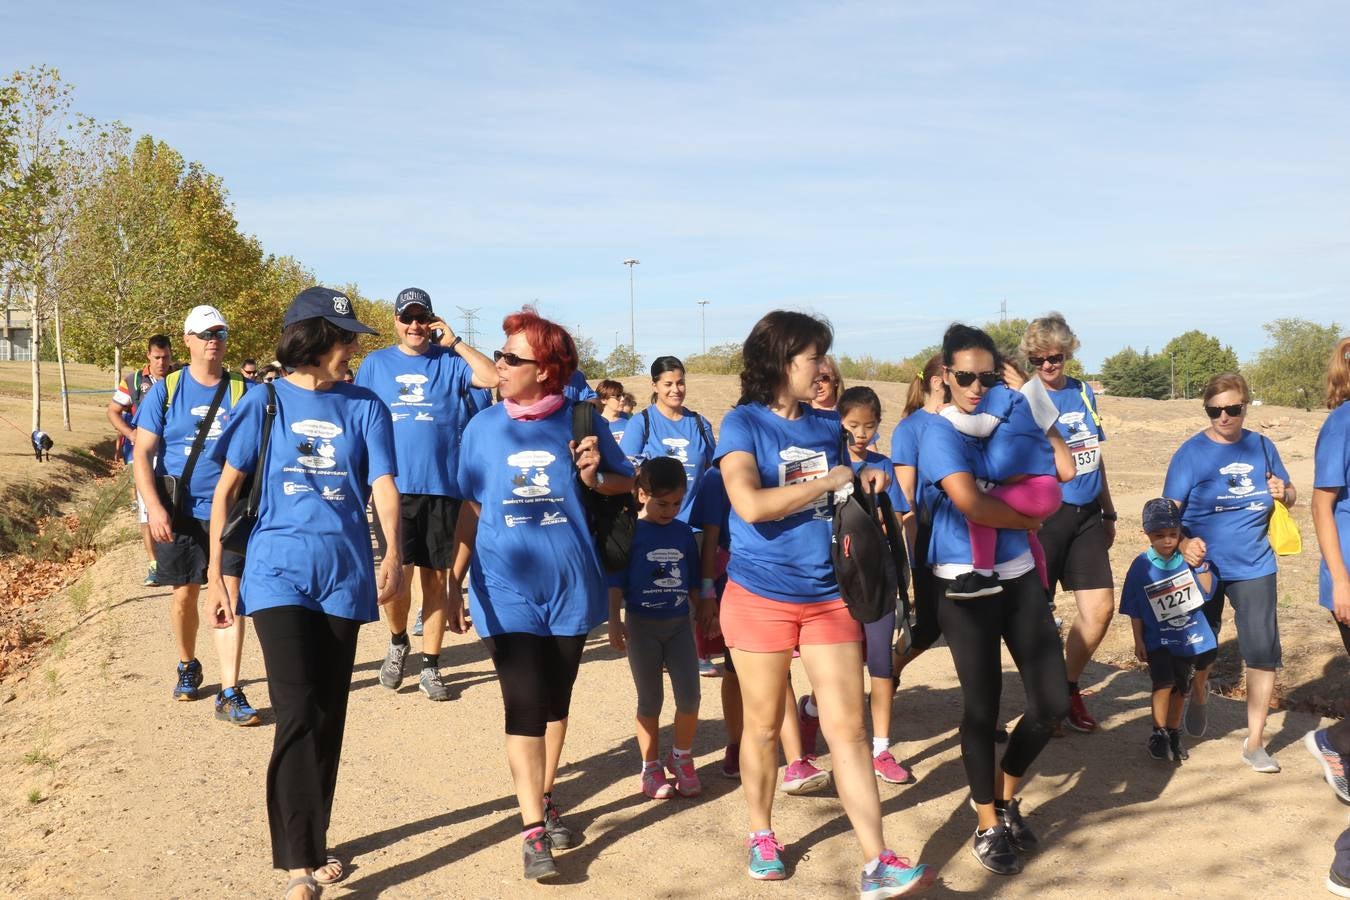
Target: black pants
(1020, 618)
(536, 675)
(1339, 734)
(926, 630)
(309, 658)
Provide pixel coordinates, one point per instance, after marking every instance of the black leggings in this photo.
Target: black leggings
(1339, 734)
(536, 675)
(309, 659)
(1020, 618)
(926, 629)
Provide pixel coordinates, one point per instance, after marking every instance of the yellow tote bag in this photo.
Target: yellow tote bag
(1282, 530)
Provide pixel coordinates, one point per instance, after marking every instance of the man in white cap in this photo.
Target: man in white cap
(185, 413)
(427, 381)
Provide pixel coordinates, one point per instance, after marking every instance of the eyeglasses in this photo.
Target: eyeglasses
(215, 334)
(418, 318)
(966, 379)
(248, 372)
(1233, 411)
(511, 359)
(1053, 359)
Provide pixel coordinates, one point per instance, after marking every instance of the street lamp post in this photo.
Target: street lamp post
(632, 309)
(703, 313)
(1174, 376)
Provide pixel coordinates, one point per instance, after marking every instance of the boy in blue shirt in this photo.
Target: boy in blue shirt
(1164, 598)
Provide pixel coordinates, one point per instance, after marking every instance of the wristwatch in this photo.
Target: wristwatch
(599, 478)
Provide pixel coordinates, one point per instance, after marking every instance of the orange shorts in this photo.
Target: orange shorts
(760, 625)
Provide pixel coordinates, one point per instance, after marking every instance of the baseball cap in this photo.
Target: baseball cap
(203, 318)
(1160, 513)
(324, 303)
(411, 297)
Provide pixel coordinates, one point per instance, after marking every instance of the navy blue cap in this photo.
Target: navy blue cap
(1160, 513)
(411, 297)
(324, 303)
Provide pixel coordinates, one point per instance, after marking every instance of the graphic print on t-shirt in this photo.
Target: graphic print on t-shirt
(1238, 477)
(1082, 441)
(677, 448)
(666, 567)
(531, 480)
(217, 426)
(411, 390)
(316, 445)
(805, 465)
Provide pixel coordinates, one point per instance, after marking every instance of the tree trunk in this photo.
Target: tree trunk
(117, 367)
(61, 364)
(36, 363)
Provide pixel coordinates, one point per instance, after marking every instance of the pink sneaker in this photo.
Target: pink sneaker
(686, 779)
(801, 777)
(890, 771)
(810, 726)
(655, 786)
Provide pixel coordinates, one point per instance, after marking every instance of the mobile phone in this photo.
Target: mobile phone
(437, 334)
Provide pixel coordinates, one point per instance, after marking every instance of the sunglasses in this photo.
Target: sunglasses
(215, 334)
(1233, 411)
(511, 359)
(249, 372)
(418, 318)
(966, 379)
(1053, 359)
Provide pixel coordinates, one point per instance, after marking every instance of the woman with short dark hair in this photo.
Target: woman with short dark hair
(669, 428)
(309, 579)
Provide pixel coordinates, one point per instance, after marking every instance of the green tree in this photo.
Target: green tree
(1198, 357)
(622, 362)
(721, 359)
(588, 356)
(1130, 373)
(255, 313)
(1291, 371)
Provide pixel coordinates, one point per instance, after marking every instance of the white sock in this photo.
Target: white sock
(679, 754)
(984, 572)
(649, 766)
(811, 709)
(872, 865)
(879, 746)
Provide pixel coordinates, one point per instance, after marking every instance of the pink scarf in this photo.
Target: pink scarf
(544, 406)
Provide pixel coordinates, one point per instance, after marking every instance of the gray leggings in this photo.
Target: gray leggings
(653, 643)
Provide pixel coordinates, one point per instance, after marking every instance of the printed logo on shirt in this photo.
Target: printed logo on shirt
(290, 487)
(1238, 478)
(424, 417)
(411, 390)
(531, 480)
(217, 423)
(333, 494)
(513, 521)
(317, 450)
(666, 572)
(677, 447)
(801, 465)
(553, 518)
(400, 416)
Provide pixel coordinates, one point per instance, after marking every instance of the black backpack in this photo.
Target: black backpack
(868, 552)
(612, 518)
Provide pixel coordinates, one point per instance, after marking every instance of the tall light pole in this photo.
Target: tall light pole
(703, 314)
(632, 314)
(1174, 376)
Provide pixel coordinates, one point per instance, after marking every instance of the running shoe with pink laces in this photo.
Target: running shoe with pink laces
(894, 876)
(655, 786)
(801, 777)
(765, 863)
(686, 779)
(810, 726)
(890, 771)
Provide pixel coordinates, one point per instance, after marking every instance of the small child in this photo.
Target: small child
(1163, 597)
(656, 591)
(629, 405)
(1022, 463)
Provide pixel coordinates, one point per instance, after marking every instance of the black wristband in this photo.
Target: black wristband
(1109, 517)
(456, 342)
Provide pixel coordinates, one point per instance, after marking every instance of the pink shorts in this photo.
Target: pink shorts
(760, 625)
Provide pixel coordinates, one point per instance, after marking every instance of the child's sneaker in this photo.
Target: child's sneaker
(189, 679)
(765, 864)
(894, 876)
(707, 669)
(1174, 741)
(1158, 746)
(1333, 764)
(731, 761)
(801, 777)
(654, 784)
(1021, 836)
(969, 585)
(994, 850)
(810, 726)
(686, 779)
(890, 771)
(1079, 718)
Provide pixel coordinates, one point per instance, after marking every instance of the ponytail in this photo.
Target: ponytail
(1338, 374)
(920, 388)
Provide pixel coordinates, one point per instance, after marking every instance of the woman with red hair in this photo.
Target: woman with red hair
(535, 583)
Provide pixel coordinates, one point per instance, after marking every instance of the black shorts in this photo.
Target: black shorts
(1076, 555)
(1176, 672)
(428, 531)
(183, 560)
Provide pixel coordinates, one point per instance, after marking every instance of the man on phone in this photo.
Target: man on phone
(177, 425)
(426, 380)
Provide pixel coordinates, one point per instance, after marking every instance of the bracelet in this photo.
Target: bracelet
(1109, 517)
(456, 342)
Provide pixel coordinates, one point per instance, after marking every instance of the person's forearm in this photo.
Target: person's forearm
(1104, 495)
(385, 493)
(227, 491)
(707, 562)
(483, 368)
(143, 470)
(119, 424)
(466, 533)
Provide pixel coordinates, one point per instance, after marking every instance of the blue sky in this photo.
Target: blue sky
(1145, 168)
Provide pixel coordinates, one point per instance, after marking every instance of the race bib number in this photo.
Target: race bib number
(1087, 454)
(1174, 597)
(807, 468)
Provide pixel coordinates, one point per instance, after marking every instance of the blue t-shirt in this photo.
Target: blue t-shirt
(1222, 489)
(1154, 585)
(577, 388)
(787, 559)
(1084, 435)
(1331, 470)
(684, 440)
(177, 429)
(712, 508)
(875, 460)
(944, 451)
(662, 569)
(1018, 446)
(311, 546)
(617, 427)
(535, 568)
(425, 395)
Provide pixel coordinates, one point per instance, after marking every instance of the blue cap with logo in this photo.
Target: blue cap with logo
(324, 303)
(1159, 514)
(411, 297)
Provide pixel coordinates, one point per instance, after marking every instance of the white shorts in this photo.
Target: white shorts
(142, 515)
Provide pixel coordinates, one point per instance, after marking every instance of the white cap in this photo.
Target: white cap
(203, 318)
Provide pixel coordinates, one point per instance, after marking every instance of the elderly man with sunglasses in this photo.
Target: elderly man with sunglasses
(177, 424)
(428, 381)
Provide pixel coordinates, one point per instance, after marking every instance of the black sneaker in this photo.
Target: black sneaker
(559, 835)
(538, 855)
(1158, 746)
(1021, 836)
(1174, 740)
(970, 585)
(189, 679)
(994, 850)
